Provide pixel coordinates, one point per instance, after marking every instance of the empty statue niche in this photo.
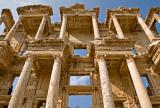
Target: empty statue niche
(13, 85)
(147, 84)
(80, 101)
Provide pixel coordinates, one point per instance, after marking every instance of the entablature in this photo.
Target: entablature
(78, 9)
(114, 45)
(46, 44)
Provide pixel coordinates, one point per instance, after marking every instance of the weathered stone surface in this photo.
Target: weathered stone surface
(45, 80)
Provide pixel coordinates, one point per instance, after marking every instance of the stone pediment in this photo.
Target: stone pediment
(78, 6)
(35, 9)
(78, 9)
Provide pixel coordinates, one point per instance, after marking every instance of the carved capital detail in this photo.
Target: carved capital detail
(100, 58)
(30, 58)
(57, 58)
(129, 58)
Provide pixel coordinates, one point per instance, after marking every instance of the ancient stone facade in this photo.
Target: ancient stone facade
(119, 51)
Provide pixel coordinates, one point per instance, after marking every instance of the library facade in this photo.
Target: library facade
(41, 62)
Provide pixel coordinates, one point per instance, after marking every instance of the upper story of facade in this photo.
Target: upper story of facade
(123, 32)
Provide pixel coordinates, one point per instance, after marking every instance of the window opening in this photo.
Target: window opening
(158, 28)
(2, 27)
(13, 86)
(80, 101)
(80, 80)
(80, 52)
(147, 84)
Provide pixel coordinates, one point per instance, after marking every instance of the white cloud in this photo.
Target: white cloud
(79, 80)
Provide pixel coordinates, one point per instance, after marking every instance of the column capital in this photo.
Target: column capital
(30, 58)
(100, 57)
(129, 58)
(65, 15)
(138, 15)
(94, 16)
(57, 58)
(113, 16)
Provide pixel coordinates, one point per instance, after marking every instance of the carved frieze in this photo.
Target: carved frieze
(54, 44)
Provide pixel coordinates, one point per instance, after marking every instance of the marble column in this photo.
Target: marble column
(53, 90)
(21, 84)
(108, 101)
(145, 28)
(157, 17)
(117, 27)
(41, 28)
(63, 27)
(138, 84)
(13, 30)
(95, 27)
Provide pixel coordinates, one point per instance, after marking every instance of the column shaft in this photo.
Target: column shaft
(95, 27)
(51, 101)
(157, 18)
(108, 101)
(138, 84)
(63, 27)
(117, 27)
(13, 30)
(145, 28)
(21, 84)
(41, 28)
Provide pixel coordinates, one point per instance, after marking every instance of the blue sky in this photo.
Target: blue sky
(144, 5)
(103, 4)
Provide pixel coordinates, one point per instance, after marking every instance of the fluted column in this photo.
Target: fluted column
(138, 84)
(41, 28)
(51, 101)
(157, 17)
(108, 101)
(145, 28)
(118, 27)
(63, 27)
(13, 30)
(15, 101)
(95, 27)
